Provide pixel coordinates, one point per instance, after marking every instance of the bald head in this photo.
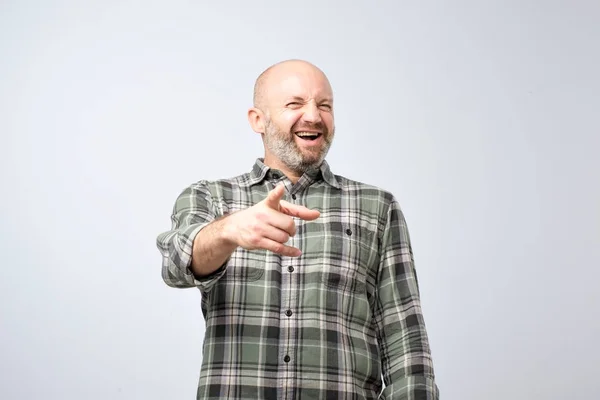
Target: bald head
(293, 112)
(275, 74)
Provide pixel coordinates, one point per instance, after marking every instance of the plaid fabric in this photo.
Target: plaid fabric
(325, 325)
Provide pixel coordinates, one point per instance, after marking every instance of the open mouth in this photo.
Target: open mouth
(310, 136)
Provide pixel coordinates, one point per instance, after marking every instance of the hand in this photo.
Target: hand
(269, 224)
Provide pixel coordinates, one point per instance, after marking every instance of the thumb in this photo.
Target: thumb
(274, 196)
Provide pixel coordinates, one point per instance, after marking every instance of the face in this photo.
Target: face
(298, 122)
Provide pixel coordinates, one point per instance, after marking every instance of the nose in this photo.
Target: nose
(311, 113)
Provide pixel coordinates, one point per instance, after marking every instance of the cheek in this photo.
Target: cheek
(328, 120)
(289, 120)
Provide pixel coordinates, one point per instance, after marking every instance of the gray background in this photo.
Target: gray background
(481, 117)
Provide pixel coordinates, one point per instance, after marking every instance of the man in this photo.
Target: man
(307, 278)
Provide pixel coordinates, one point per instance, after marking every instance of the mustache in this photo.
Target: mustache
(319, 126)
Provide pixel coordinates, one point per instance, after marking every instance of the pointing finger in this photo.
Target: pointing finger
(274, 196)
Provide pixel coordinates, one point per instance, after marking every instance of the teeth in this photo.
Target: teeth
(307, 134)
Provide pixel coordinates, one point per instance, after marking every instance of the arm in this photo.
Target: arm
(212, 248)
(404, 347)
(194, 251)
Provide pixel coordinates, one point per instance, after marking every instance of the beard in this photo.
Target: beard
(284, 147)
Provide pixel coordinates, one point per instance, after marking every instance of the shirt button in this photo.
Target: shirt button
(348, 231)
(288, 313)
(290, 269)
(286, 359)
(294, 196)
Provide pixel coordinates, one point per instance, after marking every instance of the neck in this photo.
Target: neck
(274, 163)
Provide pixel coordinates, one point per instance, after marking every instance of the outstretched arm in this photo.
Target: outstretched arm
(193, 213)
(196, 249)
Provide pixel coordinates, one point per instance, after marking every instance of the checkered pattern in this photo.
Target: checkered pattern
(325, 325)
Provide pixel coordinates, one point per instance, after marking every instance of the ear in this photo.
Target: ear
(256, 118)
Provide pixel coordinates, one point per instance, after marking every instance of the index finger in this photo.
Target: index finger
(274, 197)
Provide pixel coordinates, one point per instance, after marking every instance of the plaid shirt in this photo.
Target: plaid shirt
(325, 325)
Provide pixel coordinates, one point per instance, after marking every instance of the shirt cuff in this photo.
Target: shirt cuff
(177, 261)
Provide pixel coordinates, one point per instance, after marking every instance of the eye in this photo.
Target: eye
(293, 104)
(325, 106)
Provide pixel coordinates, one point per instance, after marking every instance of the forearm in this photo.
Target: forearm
(212, 248)
(192, 221)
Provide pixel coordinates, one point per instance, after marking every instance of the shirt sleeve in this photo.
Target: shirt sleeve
(404, 346)
(193, 210)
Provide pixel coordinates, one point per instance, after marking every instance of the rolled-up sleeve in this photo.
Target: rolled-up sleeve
(405, 354)
(193, 210)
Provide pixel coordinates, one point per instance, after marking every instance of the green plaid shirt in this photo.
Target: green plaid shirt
(325, 325)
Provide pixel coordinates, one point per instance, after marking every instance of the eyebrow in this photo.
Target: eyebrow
(301, 99)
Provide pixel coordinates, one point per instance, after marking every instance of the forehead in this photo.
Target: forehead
(306, 83)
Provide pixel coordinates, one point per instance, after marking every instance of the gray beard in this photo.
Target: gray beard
(283, 146)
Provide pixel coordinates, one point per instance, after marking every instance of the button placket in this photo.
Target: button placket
(287, 323)
(290, 299)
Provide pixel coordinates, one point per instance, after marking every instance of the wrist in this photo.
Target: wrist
(226, 230)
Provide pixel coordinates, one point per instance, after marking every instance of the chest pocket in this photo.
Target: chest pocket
(245, 266)
(353, 252)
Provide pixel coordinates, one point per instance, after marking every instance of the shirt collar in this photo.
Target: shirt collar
(260, 170)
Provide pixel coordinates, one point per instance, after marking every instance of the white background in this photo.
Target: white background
(480, 116)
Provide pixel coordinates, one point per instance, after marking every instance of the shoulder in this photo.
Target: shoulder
(372, 202)
(222, 186)
(376, 203)
(209, 193)
(357, 188)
